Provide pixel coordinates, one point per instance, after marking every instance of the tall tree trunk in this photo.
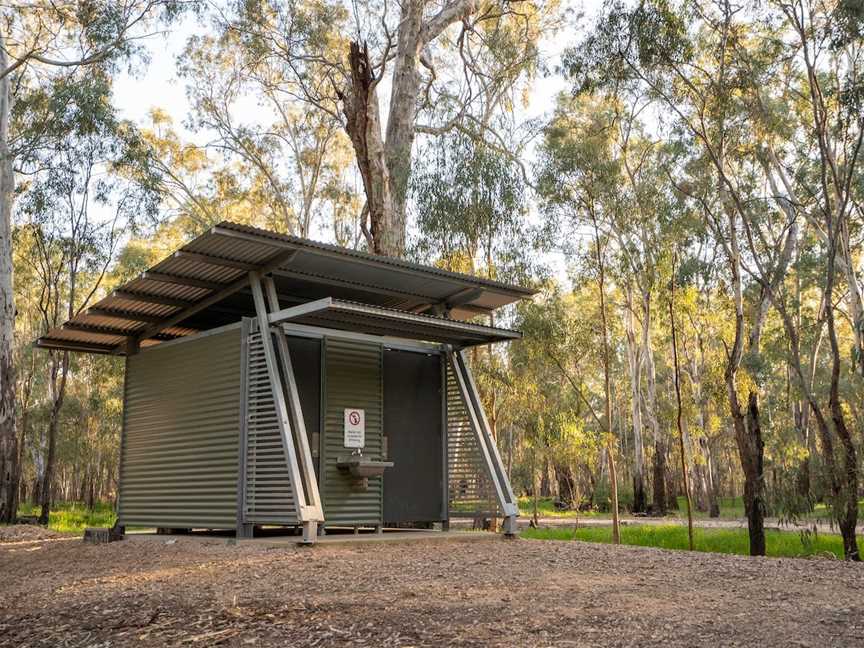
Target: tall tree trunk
(748, 432)
(610, 437)
(748, 437)
(8, 437)
(59, 372)
(385, 165)
(363, 125)
(659, 461)
(400, 121)
(679, 413)
(634, 365)
(847, 513)
(711, 480)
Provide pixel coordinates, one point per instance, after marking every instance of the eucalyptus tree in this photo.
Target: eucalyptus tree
(682, 55)
(471, 210)
(471, 216)
(824, 56)
(554, 369)
(595, 145)
(42, 41)
(450, 65)
(76, 206)
(285, 153)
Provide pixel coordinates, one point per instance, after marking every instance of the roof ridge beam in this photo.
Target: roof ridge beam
(395, 264)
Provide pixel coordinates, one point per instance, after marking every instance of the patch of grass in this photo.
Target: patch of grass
(731, 508)
(546, 508)
(73, 517)
(786, 544)
(822, 512)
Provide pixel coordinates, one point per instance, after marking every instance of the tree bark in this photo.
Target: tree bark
(59, 372)
(385, 164)
(848, 478)
(363, 125)
(400, 121)
(659, 461)
(751, 449)
(8, 437)
(634, 365)
(610, 437)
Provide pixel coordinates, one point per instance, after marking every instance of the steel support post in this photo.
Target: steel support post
(309, 513)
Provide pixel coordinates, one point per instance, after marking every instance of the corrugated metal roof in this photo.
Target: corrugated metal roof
(375, 320)
(204, 284)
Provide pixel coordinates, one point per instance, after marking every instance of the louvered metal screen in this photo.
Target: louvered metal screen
(470, 488)
(269, 497)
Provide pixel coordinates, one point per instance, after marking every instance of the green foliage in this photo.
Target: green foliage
(74, 517)
(471, 213)
(785, 544)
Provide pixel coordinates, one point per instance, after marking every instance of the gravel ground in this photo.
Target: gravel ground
(155, 591)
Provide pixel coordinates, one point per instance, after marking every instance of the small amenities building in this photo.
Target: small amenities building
(273, 380)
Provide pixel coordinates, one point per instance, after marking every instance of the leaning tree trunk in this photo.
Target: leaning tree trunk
(363, 125)
(8, 439)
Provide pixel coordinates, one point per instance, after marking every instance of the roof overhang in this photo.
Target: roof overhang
(205, 284)
(363, 318)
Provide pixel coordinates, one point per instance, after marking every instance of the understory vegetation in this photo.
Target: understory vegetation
(73, 517)
(779, 544)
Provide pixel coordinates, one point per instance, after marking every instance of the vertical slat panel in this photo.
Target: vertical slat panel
(353, 378)
(470, 487)
(269, 495)
(180, 443)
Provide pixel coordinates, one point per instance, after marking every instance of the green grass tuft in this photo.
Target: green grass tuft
(786, 544)
(73, 517)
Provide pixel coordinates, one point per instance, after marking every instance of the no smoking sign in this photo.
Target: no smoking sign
(355, 427)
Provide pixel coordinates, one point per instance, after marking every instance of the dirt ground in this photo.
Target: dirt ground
(192, 591)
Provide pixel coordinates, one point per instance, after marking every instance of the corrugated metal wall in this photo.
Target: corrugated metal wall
(181, 434)
(471, 491)
(268, 494)
(353, 378)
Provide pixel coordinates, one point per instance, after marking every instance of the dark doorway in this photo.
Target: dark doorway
(413, 487)
(306, 362)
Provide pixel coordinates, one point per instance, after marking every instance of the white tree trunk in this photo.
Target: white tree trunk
(385, 164)
(400, 121)
(8, 449)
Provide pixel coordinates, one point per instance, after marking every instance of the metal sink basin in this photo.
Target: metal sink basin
(362, 467)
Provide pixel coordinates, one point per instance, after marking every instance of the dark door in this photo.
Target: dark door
(413, 487)
(306, 362)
